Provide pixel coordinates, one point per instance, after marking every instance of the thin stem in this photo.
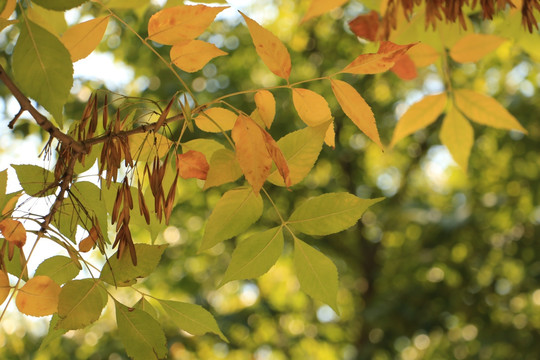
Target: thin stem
(283, 222)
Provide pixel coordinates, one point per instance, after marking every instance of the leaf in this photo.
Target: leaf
(127, 4)
(316, 273)
(119, 271)
(210, 119)
(383, 60)
(52, 21)
(206, 146)
(13, 231)
(191, 318)
(473, 47)
(89, 197)
(419, 115)
(366, 26)
(330, 136)
(42, 68)
(319, 7)
(234, 213)
(145, 146)
(3, 184)
(141, 334)
(9, 202)
(4, 286)
(80, 304)
(356, 108)
(38, 297)
(255, 255)
(404, 68)
(423, 55)
(485, 110)
(329, 213)
(278, 158)
(224, 168)
(35, 180)
(53, 333)
(185, 22)
(270, 49)
(193, 55)
(59, 5)
(192, 164)
(457, 135)
(9, 8)
(59, 268)
(145, 306)
(266, 106)
(301, 149)
(15, 265)
(251, 151)
(83, 38)
(312, 108)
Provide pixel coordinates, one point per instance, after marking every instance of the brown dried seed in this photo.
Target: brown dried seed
(105, 112)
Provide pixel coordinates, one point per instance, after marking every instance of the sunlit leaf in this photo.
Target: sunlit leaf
(145, 306)
(224, 168)
(80, 304)
(14, 266)
(278, 158)
(35, 180)
(384, 59)
(59, 5)
(4, 286)
(193, 55)
(319, 7)
(59, 268)
(192, 318)
(52, 21)
(316, 273)
(330, 136)
(140, 333)
(423, 55)
(13, 231)
(184, 22)
(192, 164)
(53, 334)
(356, 108)
(38, 297)
(485, 110)
(210, 119)
(255, 255)
(457, 135)
(81, 39)
(270, 49)
(419, 115)
(206, 146)
(234, 213)
(146, 146)
(473, 47)
(404, 68)
(366, 26)
(266, 106)
(8, 9)
(312, 108)
(127, 4)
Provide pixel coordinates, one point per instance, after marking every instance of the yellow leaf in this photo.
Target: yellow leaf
(8, 9)
(485, 110)
(356, 108)
(184, 22)
(210, 119)
(457, 135)
(319, 7)
(146, 146)
(266, 106)
(473, 47)
(270, 49)
(311, 107)
(83, 38)
(52, 21)
(13, 231)
(4, 286)
(384, 59)
(192, 55)
(224, 168)
(330, 136)
(10, 205)
(251, 151)
(423, 55)
(38, 297)
(418, 116)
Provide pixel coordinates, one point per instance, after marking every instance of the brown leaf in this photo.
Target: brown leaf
(366, 26)
(192, 164)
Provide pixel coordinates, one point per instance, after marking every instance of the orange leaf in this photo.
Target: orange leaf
(473, 47)
(4, 286)
(192, 55)
(13, 231)
(251, 151)
(266, 106)
(88, 242)
(423, 55)
(366, 26)
(9, 8)
(192, 164)
(312, 108)
(404, 68)
(330, 136)
(457, 135)
(184, 22)
(356, 108)
(38, 297)
(216, 119)
(83, 38)
(383, 60)
(270, 49)
(277, 156)
(319, 7)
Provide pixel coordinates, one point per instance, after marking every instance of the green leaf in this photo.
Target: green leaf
(42, 67)
(80, 304)
(91, 203)
(206, 146)
(141, 335)
(35, 180)
(316, 273)
(126, 4)
(59, 268)
(301, 149)
(234, 213)
(119, 271)
(53, 333)
(224, 168)
(66, 219)
(144, 305)
(59, 5)
(329, 213)
(15, 265)
(3, 183)
(192, 318)
(255, 255)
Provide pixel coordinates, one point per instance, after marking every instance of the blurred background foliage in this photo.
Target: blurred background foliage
(445, 268)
